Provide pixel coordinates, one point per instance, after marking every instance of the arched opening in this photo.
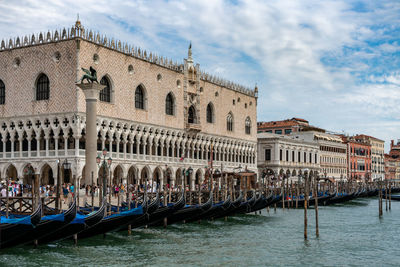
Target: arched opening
(192, 115)
(229, 122)
(132, 176)
(46, 176)
(156, 178)
(104, 173)
(42, 87)
(248, 125)
(28, 175)
(118, 175)
(169, 104)
(12, 173)
(210, 113)
(197, 180)
(144, 175)
(2, 93)
(139, 97)
(178, 177)
(105, 94)
(67, 175)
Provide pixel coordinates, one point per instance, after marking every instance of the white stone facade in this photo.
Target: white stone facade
(332, 152)
(286, 155)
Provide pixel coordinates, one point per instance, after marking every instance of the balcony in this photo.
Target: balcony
(193, 127)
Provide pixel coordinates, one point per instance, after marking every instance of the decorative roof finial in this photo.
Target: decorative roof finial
(256, 91)
(190, 59)
(78, 23)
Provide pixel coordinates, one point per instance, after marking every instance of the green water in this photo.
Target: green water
(350, 235)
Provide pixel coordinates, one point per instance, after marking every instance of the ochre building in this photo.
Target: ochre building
(155, 117)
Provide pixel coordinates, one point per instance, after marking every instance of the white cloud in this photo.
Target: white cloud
(294, 50)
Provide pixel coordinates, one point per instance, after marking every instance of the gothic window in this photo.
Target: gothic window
(169, 104)
(192, 115)
(248, 125)
(2, 93)
(229, 122)
(105, 94)
(139, 97)
(42, 88)
(210, 113)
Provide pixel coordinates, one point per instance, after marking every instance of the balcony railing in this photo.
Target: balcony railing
(194, 127)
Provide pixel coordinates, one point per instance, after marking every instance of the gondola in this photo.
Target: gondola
(246, 206)
(166, 211)
(189, 212)
(117, 221)
(231, 210)
(144, 219)
(393, 197)
(46, 226)
(339, 198)
(213, 211)
(13, 228)
(80, 223)
(263, 202)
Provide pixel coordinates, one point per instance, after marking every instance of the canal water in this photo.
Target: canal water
(350, 235)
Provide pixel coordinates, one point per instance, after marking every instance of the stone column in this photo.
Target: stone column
(12, 139)
(77, 145)
(20, 139)
(46, 138)
(91, 92)
(56, 137)
(29, 138)
(38, 146)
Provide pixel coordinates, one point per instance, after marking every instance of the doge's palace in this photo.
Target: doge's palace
(155, 117)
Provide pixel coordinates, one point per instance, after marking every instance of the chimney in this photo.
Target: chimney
(391, 144)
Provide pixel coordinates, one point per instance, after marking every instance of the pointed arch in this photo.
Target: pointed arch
(105, 93)
(247, 127)
(140, 97)
(2, 93)
(229, 122)
(210, 113)
(192, 115)
(170, 104)
(42, 87)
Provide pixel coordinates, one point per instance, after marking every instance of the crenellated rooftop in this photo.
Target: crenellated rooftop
(78, 31)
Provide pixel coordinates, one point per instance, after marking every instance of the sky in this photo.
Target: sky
(334, 63)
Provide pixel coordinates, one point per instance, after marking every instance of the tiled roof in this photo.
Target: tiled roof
(278, 124)
(367, 137)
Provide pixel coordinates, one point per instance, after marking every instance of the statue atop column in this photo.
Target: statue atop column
(90, 75)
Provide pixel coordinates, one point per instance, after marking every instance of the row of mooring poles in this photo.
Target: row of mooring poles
(387, 190)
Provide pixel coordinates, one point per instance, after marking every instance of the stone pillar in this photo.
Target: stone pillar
(38, 146)
(20, 139)
(46, 138)
(12, 139)
(56, 144)
(91, 91)
(65, 145)
(103, 141)
(77, 145)
(29, 138)
(124, 144)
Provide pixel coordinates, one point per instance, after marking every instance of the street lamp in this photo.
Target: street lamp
(105, 164)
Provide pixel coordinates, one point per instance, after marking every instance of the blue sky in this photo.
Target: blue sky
(335, 63)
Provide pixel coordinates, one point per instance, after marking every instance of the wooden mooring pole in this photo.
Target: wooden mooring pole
(386, 195)
(316, 204)
(305, 204)
(380, 198)
(390, 195)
